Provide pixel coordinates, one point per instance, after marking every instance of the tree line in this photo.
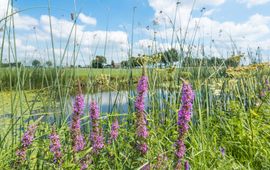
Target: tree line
(163, 59)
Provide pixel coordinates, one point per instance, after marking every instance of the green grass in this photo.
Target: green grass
(227, 113)
(88, 72)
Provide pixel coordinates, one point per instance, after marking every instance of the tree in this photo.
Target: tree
(36, 63)
(49, 63)
(170, 56)
(113, 64)
(124, 64)
(134, 61)
(233, 61)
(99, 62)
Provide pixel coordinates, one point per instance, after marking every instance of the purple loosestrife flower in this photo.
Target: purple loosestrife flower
(141, 129)
(75, 129)
(84, 166)
(181, 149)
(143, 148)
(141, 90)
(263, 93)
(143, 85)
(222, 151)
(187, 166)
(161, 162)
(184, 116)
(55, 146)
(85, 161)
(27, 140)
(114, 130)
(96, 137)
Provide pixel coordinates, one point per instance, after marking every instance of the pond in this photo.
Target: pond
(119, 102)
(123, 101)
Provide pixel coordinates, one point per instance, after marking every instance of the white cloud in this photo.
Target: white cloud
(24, 22)
(61, 27)
(209, 12)
(62, 30)
(252, 33)
(87, 19)
(169, 6)
(91, 42)
(20, 21)
(3, 8)
(251, 3)
(248, 34)
(211, 2)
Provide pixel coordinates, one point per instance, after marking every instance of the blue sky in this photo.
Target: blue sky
(247, 22)
(120, 11)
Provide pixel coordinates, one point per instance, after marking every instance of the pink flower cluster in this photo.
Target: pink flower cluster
(184, 116)
(96, 137)
(114, 130)
(27, 140)
(75, 129)
(55, 146)
(141, 129)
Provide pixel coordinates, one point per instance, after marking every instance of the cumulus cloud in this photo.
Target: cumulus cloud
(3, 8)
(24, 22)
(222, 35)
(251, 3)
(33, 34)
(36, 33)
(87, 19)
(33, 39)
(211, 2)
(63, 29)
(209, 12)
(169, 6)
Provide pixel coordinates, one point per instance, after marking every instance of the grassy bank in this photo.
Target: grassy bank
(229, 127)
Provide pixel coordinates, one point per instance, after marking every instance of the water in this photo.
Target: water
(111, 101)
(119, 101)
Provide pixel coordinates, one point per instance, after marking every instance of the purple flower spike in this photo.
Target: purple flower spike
(184, 116)
(78, 105)
(94, 111)
(141, 129)
(55, 146)
(84, 166)
(187, 166)
(75, 129)
(142, 85)
(27, 140)
(96, 136)
(114, 130)
(143, 148)
(181, 149)
(139, 104)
